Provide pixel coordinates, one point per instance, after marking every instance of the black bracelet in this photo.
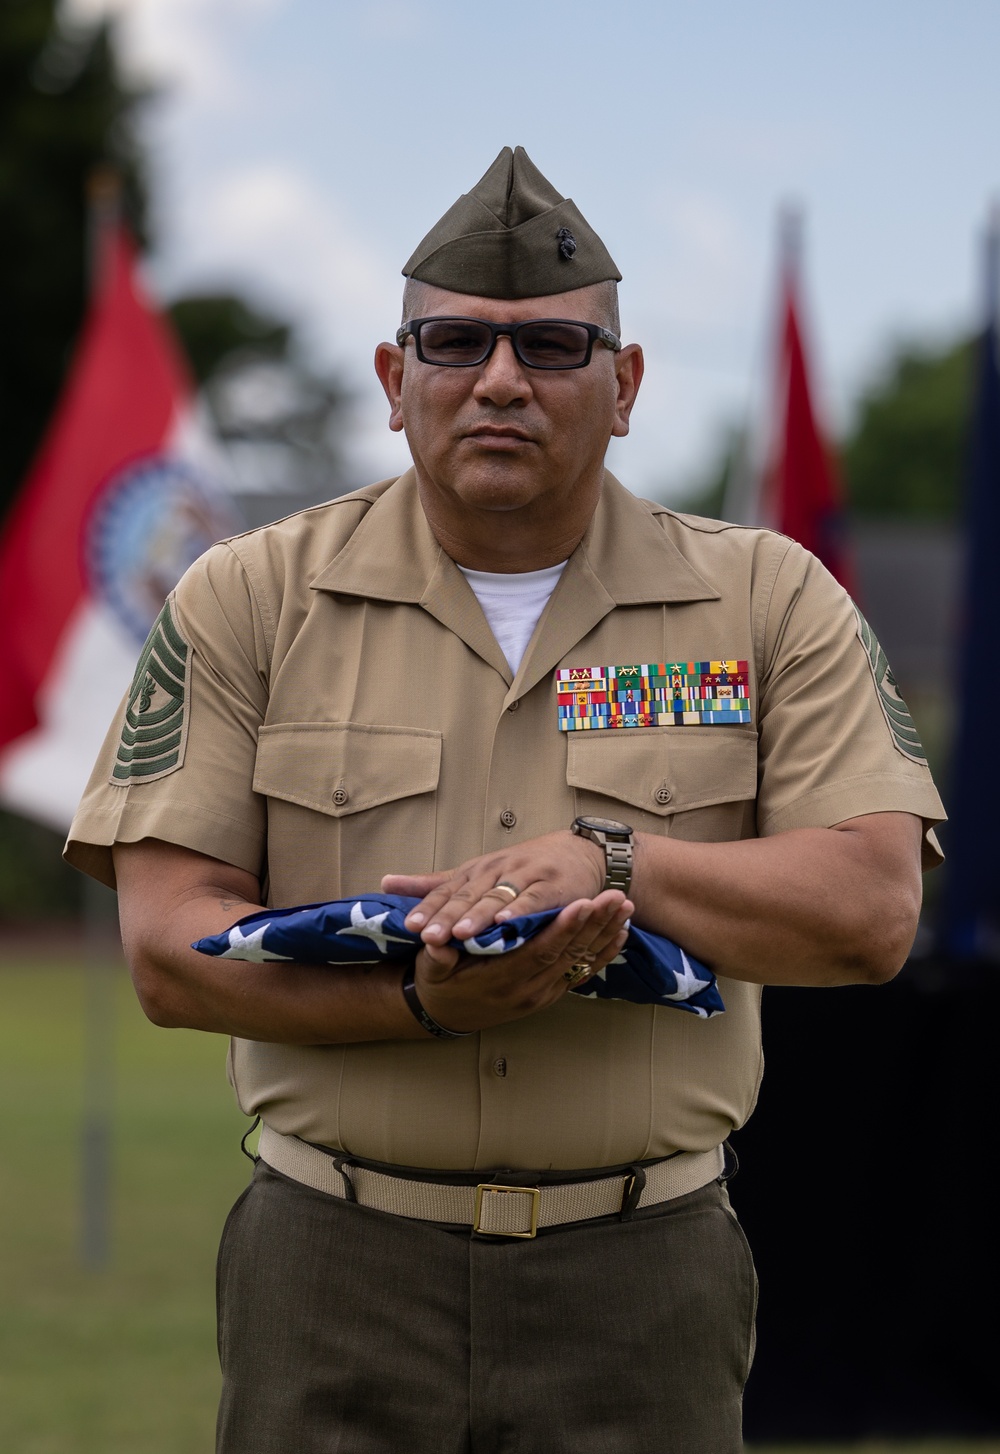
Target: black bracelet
(413, 1000)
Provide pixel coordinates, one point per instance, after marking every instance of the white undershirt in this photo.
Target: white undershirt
(513, 603)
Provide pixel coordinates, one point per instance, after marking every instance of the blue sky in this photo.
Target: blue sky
(302, 148)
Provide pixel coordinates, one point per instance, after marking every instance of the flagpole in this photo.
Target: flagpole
(744, 497)
(100, 939)
(100, 953)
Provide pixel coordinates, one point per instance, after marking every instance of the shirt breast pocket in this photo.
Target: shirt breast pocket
(347, 803)
(682, 782)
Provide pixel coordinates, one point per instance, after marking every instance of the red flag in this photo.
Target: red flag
(802, 495)
(109, 517)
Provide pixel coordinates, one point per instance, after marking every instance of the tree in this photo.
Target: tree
(280, 420)
(705, 492)
(903, 455)
(64, 109)
(213, 327)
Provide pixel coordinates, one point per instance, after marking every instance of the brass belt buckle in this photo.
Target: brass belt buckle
(503, 1191)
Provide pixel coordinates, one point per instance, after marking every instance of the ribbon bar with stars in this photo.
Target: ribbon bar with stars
(659, 694)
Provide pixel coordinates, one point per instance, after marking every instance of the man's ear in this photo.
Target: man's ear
(629, 366)
(389, 367)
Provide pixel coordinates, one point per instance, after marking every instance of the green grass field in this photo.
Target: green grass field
(120, 1361)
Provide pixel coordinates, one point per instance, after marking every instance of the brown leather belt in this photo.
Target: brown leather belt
(490, 1208)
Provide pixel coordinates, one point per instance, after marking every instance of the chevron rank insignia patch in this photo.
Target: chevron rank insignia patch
(894, 709)
(658, 694)
(154, 732)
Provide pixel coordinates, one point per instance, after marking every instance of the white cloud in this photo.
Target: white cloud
(269, 230)
(178, 41)
(702, 265)
(270, 222)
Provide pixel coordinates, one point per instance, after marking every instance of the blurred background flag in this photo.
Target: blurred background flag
(123, 495)
(794, 488)
(970, 913)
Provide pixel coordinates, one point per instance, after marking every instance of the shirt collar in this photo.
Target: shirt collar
(393, 556)
(624, 559)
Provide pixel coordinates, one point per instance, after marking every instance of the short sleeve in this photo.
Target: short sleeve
(178, 761)
(836, 738)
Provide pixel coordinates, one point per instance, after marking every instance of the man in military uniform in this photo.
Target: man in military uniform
(490, 1214)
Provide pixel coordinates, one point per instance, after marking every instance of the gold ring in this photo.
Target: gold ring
(503, 888)
(577, 973)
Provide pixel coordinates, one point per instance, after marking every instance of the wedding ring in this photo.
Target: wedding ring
(504, 888)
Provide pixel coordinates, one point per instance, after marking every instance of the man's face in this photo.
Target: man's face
(501, 435)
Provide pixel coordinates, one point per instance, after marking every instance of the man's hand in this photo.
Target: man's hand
(472, 992)
(169, 896)
(547, 872)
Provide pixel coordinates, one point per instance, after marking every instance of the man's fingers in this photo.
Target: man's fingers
(413, 885)
(438, 910)
(499, 902)
(461, 908)
(604, 943)
(582, 931)
(467, 992)
(540, 874)
(597, 938)
(438, 964)
(531, 900)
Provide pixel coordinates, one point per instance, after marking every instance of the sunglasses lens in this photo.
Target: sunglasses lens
(454, 340)
(545, 345)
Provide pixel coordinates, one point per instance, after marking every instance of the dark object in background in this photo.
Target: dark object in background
(64, 109)
(969, 921)
(866, 1190)
(36, 887)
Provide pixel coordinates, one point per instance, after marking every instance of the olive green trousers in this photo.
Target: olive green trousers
(344, 1330)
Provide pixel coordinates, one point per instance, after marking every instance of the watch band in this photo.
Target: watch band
(427, 1021)
(616, 843)
(619, 866)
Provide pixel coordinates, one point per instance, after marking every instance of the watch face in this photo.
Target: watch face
(606, 825)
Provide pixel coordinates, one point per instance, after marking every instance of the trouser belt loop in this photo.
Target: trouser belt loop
(731, 1164)
(341, 1163)
(634, 1188)
(245, 1138)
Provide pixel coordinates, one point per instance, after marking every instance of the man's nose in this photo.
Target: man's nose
(503, 378)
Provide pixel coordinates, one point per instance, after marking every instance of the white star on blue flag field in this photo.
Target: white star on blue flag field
(371, 929)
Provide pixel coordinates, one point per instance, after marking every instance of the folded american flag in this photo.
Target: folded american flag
(370, 929)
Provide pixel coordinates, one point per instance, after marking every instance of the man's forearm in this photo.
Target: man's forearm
(813, 906)
(170, 896)
(292, 1004)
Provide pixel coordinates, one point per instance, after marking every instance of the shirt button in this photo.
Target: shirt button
(514, 706)
(340, 796)
(663, 795)
(500, 1066)
(507, 818)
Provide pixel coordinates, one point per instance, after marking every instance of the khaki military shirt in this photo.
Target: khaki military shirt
(325, 703)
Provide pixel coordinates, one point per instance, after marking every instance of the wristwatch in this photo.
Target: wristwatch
(616, 840)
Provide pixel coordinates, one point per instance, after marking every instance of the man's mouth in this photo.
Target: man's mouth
(499, 436)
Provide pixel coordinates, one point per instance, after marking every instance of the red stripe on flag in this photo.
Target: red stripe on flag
(126, 384)
(803, 496)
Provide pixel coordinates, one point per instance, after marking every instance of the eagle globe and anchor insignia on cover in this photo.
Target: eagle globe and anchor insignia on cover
(152, 521)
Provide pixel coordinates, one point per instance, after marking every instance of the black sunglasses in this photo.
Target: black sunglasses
(540, 343)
